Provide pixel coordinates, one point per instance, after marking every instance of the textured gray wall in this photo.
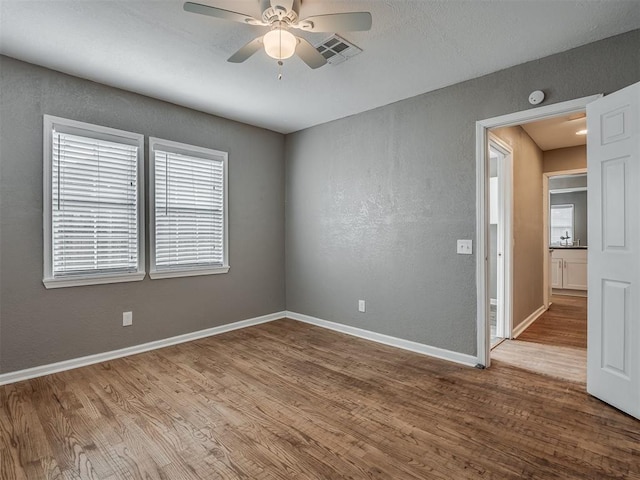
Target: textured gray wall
(40, 326)
(376, 201)
(579, 201)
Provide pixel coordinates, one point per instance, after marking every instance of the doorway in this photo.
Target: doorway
(542, 148)
(614, 177)
(483, 164)
(565, 225)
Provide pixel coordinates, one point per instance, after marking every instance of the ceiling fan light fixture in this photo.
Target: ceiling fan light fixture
(280, 44)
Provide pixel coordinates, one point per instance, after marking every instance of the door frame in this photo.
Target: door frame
(504, 270)
(546, 209)
(482, 204)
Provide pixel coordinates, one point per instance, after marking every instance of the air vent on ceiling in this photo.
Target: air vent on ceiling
(337, 50)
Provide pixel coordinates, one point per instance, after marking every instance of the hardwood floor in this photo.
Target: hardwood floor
(286, 400)
(556, 344)
(563, 325)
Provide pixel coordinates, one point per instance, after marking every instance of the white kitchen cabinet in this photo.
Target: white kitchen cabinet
(569, 269)
(556, 272)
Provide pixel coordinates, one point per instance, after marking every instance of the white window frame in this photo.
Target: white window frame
(193, 151)
(94, 131)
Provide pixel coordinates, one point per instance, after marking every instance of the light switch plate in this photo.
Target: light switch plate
(127, 319)
(465, 247)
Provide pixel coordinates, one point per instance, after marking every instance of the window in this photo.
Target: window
(93, 225)
(561, 231)
(189, 210)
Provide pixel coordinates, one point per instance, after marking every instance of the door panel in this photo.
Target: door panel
(613, 160)
(613, 203)
(615, 308)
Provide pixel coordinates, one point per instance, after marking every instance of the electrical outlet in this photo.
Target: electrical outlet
(361, 306)
(465, 247)
(127, 319)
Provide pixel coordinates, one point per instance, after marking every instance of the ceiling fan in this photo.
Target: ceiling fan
(281, 16)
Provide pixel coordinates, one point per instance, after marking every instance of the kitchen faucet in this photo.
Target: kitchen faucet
(566, 238)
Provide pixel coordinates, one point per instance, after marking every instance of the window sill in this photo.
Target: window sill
(92, 280)
(188, 272)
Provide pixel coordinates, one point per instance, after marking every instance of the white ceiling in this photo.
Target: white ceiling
(157, 49)
(558, 132)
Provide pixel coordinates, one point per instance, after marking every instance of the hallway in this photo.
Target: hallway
(555, 345)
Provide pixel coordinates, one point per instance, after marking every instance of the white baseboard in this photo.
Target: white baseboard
(48, 369)
(436, 352)
(42, 370)
(528, 321)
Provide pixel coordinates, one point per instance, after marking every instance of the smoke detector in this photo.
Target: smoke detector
(336, 49)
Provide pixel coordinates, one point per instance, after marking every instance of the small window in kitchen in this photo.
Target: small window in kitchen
(561, 231)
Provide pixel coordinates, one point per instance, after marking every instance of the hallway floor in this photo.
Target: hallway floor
(555, 345)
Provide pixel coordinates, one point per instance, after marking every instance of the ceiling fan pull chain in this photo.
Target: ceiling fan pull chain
(280, 61)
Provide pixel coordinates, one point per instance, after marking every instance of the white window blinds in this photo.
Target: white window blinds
(561, 231)
(94, 202)
(189, 211)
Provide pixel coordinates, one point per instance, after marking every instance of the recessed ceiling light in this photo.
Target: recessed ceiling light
(581, 132)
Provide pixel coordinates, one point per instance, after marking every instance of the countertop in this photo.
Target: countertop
(577, 247)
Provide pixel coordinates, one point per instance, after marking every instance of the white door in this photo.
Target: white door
(613, 159)
(500, 201)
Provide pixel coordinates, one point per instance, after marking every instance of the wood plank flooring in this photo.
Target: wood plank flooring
(556, 343)
(564, 324)
(286, 400)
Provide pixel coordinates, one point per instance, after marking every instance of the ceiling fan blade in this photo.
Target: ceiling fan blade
(245, 52)
(337, 22)
(309, 54)
(220, 13)
(286, 4)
